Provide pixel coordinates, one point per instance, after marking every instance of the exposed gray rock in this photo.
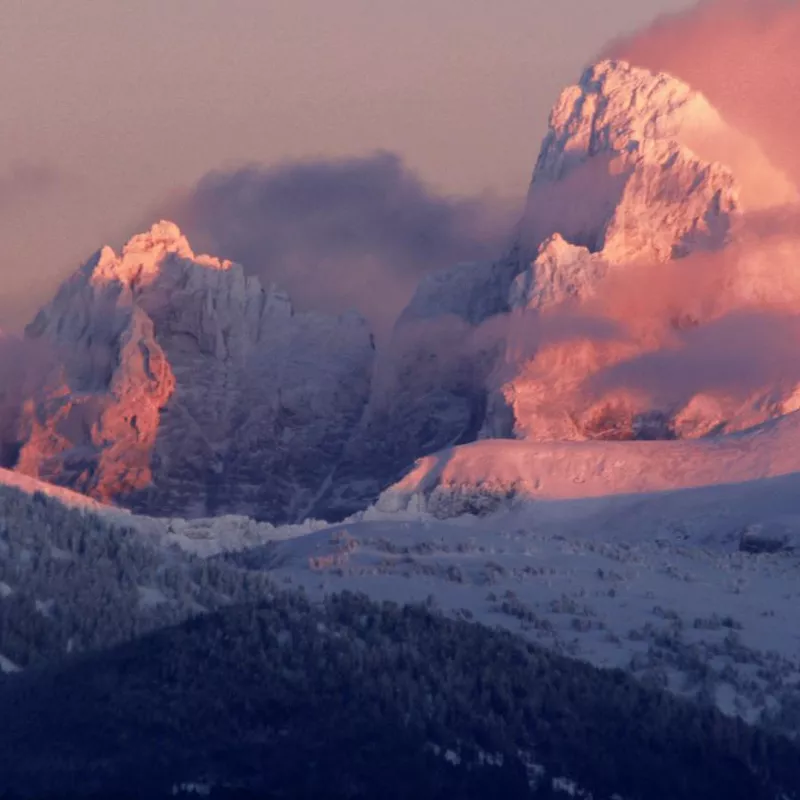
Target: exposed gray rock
(191, 390)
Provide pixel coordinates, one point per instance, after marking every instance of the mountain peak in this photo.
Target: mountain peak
(637, 169)
(616, 108)
(144, 254)
(164, 235)
(622, 140)
(641, 166)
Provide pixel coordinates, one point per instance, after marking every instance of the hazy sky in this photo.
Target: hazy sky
(109, 105)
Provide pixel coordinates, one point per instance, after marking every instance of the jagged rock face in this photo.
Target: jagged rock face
(429, 388)
(615, 173)
(189, 389)
(640, 166)
(621, 184)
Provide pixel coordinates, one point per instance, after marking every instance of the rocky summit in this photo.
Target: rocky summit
(189, 388)
(641, 187)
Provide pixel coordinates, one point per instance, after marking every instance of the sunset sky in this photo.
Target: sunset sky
(108, 107)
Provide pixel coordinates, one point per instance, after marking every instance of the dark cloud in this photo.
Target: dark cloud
(339, 234)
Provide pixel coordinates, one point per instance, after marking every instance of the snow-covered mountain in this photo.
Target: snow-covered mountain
(640, 207)
(188, 388)
(646, 210)
(592, 443)
(640, 215)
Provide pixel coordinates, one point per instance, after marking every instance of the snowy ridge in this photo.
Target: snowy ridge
(567, 470)
(30, 485)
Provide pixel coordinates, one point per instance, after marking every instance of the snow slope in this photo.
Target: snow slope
(656, 584)
(676, 560)
(561, 470)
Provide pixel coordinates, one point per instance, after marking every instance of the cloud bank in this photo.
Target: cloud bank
(744, 55)
(340, 234)
(723, 323)
(737, 355)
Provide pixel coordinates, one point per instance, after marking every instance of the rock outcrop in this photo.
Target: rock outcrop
(187, 388)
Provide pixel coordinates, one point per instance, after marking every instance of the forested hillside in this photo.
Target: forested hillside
(70, 581)
(352, 699)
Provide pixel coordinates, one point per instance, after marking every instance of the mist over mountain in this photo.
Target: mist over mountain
(708, 45)
(341, 234)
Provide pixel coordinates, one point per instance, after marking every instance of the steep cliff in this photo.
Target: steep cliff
(188, 388)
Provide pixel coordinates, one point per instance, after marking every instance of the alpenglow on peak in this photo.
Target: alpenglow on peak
(640, 165)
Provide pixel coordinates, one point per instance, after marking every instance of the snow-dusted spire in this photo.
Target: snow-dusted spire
(639, 165)
(143, 256)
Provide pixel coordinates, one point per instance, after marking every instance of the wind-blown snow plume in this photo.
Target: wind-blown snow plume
(744, 55)
(340, 234)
